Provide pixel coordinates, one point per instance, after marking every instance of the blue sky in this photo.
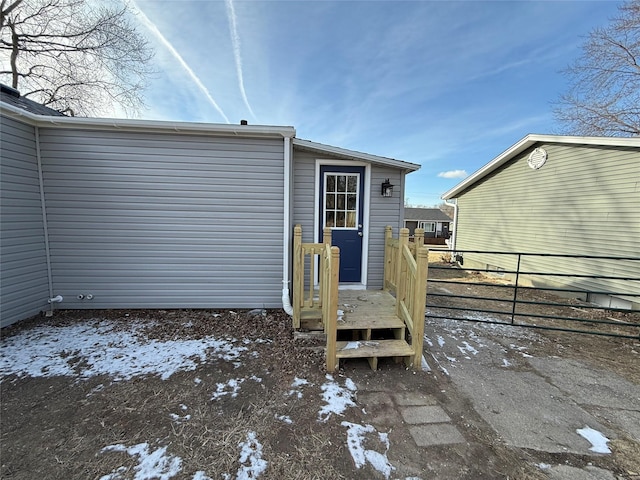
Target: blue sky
(447, 85)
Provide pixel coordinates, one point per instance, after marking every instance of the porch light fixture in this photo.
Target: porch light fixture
(387, 188)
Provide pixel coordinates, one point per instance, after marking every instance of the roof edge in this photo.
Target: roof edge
(526, 142)
(126, 124)
(343, 152)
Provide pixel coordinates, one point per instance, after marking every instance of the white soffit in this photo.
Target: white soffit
(352, 154)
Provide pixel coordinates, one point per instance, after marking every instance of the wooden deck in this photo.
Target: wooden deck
(367, 324)
(357, 310)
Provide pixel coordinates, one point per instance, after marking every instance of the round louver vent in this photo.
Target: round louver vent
(537, 158)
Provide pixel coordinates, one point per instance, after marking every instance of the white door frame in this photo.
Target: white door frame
(365, 213)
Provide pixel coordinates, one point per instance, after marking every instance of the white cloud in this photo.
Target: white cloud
(163, 40)
(454, 174)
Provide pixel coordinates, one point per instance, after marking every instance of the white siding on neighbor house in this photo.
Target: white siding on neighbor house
(149, 220)
(24, 289)
(383, 211)
(584, 201)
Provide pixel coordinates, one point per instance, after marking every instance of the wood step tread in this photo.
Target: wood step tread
(373, 348)
(374, 322)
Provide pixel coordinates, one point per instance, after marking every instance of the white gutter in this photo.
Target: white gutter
(286, 301)
(452, 246)
(125, 124)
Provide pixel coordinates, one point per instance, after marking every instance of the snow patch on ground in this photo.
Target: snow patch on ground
(155, 464)
(253, 465)
(597, 440)
(179, 419)
(295, 386)
(100, 348)
(424, 365)
(357, 436)
(284, 418)
(337, 398)
(231, 387)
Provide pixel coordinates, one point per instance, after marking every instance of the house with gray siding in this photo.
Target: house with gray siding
(557, 195)
(118, 213)
(435, 223)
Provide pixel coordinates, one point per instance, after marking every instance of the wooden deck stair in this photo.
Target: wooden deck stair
(369, 324)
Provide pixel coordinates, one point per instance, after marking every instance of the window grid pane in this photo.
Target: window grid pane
(341, 200)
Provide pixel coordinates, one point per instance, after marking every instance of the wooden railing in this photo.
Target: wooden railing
(330, 274)
(305, 259)
(406, 268)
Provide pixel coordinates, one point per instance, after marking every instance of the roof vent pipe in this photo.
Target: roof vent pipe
(244, 122)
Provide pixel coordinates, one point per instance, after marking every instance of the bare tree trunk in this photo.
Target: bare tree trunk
(15, 49)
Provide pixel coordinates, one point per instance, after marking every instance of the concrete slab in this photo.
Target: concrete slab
(526, 411)
(372, 399)
(626, 420)
(436, 434)
(588, 385)
(414, 398)
(380, 409)
(424, 414)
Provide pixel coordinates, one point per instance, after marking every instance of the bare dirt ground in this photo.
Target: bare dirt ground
(273, 391)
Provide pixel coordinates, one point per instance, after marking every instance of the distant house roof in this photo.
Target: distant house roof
(12, 96)
(529, 141)
(352, 154)
(426, 214)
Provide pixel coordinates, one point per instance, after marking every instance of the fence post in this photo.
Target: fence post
(388, 234)
(403, 241)
(332, 322)
(418, 238)
(298, 274)
(419, 304)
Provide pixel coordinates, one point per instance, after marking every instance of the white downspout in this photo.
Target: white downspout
(47, 251)
(452, 245)
(286, 301)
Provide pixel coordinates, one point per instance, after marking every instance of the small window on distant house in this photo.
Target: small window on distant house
(427, 226)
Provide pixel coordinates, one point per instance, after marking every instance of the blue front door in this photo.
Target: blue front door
(341, 209)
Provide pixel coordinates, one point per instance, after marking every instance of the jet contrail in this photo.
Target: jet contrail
(235, 40)
(152, 27)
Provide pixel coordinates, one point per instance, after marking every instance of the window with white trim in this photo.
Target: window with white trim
(427, 226)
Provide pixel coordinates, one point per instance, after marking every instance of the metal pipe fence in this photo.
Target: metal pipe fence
(538, 290)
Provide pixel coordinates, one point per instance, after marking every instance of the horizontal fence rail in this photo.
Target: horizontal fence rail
(537, 290)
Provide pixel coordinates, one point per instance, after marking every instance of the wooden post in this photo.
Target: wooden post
(298, 275)
(332, 309)
(326, 235)
(419, 304)
(388, 234)
(418, 238)
(326, 240)
(403, 240)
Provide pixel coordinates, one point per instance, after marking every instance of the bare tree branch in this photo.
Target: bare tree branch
(604, 95)
(77, 56)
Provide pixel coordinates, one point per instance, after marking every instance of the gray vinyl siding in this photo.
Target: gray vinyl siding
(304, 201)
(584, 200)
(382, 211)
(148, 220)
(23, 280)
